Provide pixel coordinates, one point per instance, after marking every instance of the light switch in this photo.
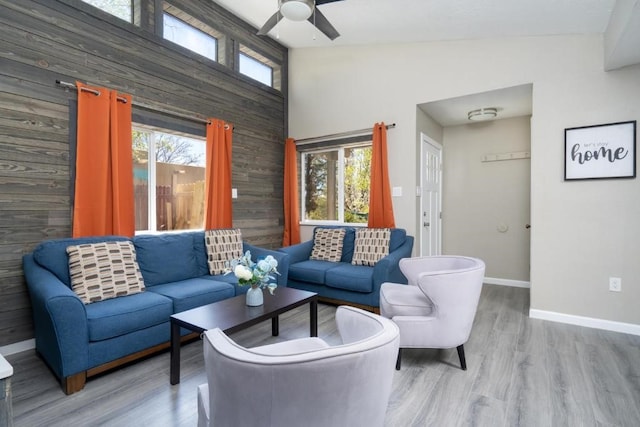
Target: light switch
(234, 193)
(396, 192)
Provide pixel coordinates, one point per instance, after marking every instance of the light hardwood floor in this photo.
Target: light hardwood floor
(521, 372)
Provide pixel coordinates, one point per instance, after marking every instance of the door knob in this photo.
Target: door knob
(527, 226)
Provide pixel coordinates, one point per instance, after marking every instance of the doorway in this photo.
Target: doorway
(485, 181)
(430, 196)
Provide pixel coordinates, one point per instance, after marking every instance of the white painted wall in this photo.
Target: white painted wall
(583, 232)
(486, 204)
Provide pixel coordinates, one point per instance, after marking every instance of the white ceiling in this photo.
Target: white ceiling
(510, 102)
(407, 21)
(389, 21)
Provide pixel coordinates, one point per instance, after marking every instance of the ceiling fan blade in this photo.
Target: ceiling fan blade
(268, 26)
(319, 2)
(323, 24)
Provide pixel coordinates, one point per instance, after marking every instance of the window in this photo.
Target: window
(119, 8)
(258, 67)
(169, 180)
(336, 184)
(188, 36)
(256, 70)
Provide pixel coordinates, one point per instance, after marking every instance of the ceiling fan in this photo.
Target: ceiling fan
(299, 10)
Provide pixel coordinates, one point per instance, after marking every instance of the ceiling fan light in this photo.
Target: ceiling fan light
(296, 10)
(481, 114)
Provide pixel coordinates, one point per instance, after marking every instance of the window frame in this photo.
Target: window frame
(132, 11)
(198, 25)
(252, 59)
(152, 215)
(276, 69)
(323, 148)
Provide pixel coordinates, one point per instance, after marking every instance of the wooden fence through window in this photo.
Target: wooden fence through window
(181, 209)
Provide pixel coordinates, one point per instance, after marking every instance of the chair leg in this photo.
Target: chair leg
(398, 360)
(463, 362)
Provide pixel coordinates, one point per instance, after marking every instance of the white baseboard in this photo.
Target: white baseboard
(507, 282)
(18, 347)
(589, 322)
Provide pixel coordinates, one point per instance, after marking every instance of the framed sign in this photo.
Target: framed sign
(600, 151)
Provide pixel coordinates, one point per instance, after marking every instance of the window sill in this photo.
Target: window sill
(336, 223)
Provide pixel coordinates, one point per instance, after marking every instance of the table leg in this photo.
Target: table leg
(275, 326)
(174, 370)
(313, 318)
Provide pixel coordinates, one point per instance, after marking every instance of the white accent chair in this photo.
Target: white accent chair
(302, 382)
(437, 307)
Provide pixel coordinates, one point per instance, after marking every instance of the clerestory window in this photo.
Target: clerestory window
(190, 33)
(123, 9)
(256, 70)
(259, 67)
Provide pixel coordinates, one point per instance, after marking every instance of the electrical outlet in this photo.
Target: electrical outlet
(615, 284)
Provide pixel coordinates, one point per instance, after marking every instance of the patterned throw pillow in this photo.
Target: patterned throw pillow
(100, 271)
(372, 244)
(222, 246)
(327, 244)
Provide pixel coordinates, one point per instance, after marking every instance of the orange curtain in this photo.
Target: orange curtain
(218, 211)
(291, 205)
(104, 201)
(380, 206)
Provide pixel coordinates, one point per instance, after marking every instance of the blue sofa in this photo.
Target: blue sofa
(344, 283)
(78, 341)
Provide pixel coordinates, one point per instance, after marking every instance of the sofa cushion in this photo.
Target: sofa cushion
(166, 257)
(223, 245)
(348, 244)
(104, 270)
(398, 237)
(312, 271)
(232, 280)
(371, 245)
(226, 278)
(327, 244)
(52, 254)
(357, 278)
(119, 316)
(191, 293)
(200, 250)
(404, 300)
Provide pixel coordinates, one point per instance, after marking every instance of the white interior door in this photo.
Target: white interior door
(431, 200)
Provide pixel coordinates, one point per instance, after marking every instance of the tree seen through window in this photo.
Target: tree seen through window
(336, 184)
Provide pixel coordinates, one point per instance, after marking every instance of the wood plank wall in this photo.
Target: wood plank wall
(42, 41)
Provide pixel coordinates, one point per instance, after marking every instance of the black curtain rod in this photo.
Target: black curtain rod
(67, 85)
(315, 139)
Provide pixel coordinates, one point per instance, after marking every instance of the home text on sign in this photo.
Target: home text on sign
(600, 152)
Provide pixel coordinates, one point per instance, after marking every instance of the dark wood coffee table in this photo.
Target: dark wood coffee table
(233, 314)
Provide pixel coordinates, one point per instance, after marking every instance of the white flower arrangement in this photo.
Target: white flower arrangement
(254, 274)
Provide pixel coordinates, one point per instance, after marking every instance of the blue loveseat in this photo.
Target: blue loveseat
(344, 283)
(80, 340)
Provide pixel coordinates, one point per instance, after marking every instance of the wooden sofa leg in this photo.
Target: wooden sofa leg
(463, 361)
(74, 383)
(398, 360)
